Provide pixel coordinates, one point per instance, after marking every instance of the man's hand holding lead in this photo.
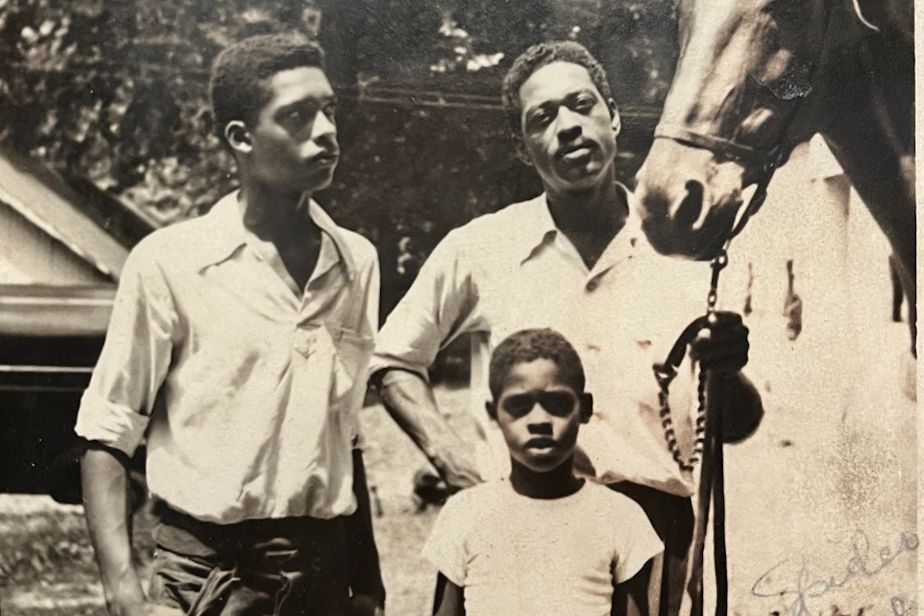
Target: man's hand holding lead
(721, 345)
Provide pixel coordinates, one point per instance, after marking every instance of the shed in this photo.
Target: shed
(63, 242)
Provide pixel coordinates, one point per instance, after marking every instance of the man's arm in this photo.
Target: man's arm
(365, 569)
(104, 475)
(449, 599)
(409, 399)
(113, 418)
(442, 304)
(742, 408)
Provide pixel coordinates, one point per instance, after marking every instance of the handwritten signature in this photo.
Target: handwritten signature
(899, 608)
(860, 564)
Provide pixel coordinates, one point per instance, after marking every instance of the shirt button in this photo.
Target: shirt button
(592, 285)
(304, 340)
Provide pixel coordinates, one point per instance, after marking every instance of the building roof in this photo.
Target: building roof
(95, 226)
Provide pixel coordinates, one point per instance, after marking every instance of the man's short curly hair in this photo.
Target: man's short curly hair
(535, 58)
(529, 345)
(239, 73)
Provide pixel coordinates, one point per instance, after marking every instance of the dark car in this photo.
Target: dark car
(50, 339)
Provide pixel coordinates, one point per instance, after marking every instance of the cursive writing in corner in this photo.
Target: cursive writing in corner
(861, 563)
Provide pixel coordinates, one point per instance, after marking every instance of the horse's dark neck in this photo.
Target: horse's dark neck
(867, 119)
(872, 146)
(863, 104)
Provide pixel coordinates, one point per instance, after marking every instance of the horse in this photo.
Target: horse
(754, 79)
(757, 77)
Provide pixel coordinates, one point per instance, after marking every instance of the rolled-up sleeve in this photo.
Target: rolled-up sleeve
(441, 305)
(116, 407)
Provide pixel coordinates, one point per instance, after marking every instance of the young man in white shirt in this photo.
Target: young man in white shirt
(543, 541)
(238, 348)
(573, 259)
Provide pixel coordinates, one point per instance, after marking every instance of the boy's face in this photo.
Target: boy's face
(539, 415)
(294, 142)
(568, 130)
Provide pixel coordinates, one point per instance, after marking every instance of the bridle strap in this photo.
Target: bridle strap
(722, 148)
(766, 163)
(757, 200)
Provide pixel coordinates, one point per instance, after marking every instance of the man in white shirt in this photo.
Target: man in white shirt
(238, 347)
(575, 260)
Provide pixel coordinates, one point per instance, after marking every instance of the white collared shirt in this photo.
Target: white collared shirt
(246, 387)
(514, 270)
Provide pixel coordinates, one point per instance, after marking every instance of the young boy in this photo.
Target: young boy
(544, 541)
(238, 348)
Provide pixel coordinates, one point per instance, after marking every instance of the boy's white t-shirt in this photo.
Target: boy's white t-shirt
(518, 555)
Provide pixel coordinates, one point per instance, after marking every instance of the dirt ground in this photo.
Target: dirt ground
(821, 501)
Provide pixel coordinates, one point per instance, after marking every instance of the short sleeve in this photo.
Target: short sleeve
(441, 304)
(636, 542)
(446, 547)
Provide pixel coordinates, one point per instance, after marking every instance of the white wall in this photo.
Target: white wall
(835, 454)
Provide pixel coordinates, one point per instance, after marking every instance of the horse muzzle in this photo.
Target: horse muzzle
(687, 201)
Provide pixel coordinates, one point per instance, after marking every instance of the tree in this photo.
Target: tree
(116, 91)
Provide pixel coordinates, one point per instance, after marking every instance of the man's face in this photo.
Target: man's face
(294, 141)
(539, 415)
(567, 127)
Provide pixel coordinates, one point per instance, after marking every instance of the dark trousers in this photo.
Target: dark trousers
(672, 518)
(284, 567)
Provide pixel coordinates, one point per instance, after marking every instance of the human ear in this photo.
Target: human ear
(616, 122)
(587, 407)
(522, 154)
(491, 408)
(238, 137)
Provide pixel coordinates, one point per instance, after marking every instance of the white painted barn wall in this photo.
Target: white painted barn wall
(835, 455)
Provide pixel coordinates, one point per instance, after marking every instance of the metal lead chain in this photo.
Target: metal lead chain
(718, 264)
(668, 424)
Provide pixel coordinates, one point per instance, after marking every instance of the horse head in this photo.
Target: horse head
(740, 101)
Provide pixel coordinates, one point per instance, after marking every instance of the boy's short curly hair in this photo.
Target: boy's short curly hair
(529, 345)
(535, 58)
(237, 87)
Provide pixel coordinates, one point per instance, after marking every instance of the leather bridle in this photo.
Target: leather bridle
(765, 163)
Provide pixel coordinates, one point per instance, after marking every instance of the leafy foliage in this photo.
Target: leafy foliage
(116, 91)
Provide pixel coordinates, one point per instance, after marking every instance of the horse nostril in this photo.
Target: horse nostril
(692, 205)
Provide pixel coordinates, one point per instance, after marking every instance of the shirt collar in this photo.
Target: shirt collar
(540, 227)
(230, 234)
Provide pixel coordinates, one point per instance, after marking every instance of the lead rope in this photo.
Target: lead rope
(711, 482)
(707, 449)
(665, 373)
(707, 443)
